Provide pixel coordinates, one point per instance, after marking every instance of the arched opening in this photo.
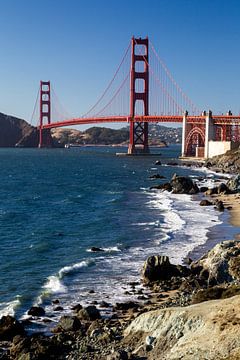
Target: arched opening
(195, 142)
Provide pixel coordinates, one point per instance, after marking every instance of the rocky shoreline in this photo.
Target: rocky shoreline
(176, 306)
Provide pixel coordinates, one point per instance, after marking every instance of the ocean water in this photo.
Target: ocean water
(55, 204)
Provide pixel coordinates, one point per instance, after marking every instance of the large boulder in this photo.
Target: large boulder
(10, 327)
(234, 183)
(68, 323)
(183, 185)
(209, 330)
(159, 268)
(221, 264)
(89, 313)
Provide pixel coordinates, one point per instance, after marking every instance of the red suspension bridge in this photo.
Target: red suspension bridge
(141, 92)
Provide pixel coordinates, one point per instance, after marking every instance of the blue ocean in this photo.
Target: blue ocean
(55, 204)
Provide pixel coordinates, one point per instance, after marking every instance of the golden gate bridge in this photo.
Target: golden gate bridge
(142, 91)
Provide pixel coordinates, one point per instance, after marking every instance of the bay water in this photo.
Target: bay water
(55, 204)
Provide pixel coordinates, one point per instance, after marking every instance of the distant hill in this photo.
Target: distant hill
(17, 132)
(158, 135)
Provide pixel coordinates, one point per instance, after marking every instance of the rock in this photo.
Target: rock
(55, 302)
(203, 189)
(126, 305)
(36, 311)
(157, 176)
(96, 249)
(58, 308)
(118, 355)
(205, 202)
(222, 263)
(219, 205)
(211, 191)
(158, 162)
(165, 186)
(104, 304)
(210, 330)
(171, 163)
(10, 327)
(223, 189)
(38, 347)
(183, 185)
(215, 292)
(158, 267)
(234, 183)
(89, 313)
(77, 307)
(68, 323)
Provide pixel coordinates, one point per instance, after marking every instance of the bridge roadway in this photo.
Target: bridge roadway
(217, 119)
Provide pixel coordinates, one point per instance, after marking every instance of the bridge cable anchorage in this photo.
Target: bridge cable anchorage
(35, 108)
(111, 82)
(188, 100)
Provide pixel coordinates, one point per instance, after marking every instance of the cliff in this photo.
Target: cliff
(12, 130)
(228, 162)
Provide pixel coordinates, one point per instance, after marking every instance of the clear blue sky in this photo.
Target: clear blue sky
(78, 44)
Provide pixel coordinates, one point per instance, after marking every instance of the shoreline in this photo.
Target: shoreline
(154, 298)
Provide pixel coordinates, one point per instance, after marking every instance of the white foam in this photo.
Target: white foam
(72, 268)
(54, 285)
(8, 308)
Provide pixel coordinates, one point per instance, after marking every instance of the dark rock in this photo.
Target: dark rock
(183, 185)
(203, 189)
(215, 292)
(211, 191)
(171, 163)
(159, 267)
(156, 176)
(68, 323)
(91, 291)
(76, 307)
(36, 311)
(58, 308)
(219, 205)
(126, 305)
(223, 189)
(158, 162)
(55, 302)
(104, 304)
(234, 183)
(89, 313)
(96, 249)
(205, 202)
(118, 355)
(10, 327)
(165, 186)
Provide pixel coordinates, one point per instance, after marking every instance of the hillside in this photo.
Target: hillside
(17, 132)
(12, 130)
(158, 135)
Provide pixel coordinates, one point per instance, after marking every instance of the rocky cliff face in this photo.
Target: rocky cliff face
(12, 130)
(209, 330)
(228, 162)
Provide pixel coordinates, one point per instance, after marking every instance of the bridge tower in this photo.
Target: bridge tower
(45, 139)
(138, 142)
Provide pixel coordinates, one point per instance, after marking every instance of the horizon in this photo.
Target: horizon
(78, 46)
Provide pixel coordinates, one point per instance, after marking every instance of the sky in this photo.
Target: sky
(78, 44)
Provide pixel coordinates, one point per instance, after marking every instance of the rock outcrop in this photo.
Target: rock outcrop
(228, 162)
(210, 330)
(221, 264)
(183, 185)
